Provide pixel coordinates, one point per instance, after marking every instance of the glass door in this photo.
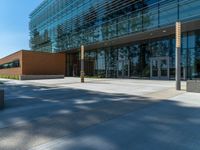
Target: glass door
(160, 68)
(154, 68)
(120, 67)
(164, 68)
(126, 69)
(123, 69)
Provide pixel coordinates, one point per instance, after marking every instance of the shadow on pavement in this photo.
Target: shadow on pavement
(93, 120)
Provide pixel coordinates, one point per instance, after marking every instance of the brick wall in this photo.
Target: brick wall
(10, 58)
(35, 63)
(40, 63)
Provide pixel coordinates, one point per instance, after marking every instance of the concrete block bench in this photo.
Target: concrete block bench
(1, 99)
(193, 86)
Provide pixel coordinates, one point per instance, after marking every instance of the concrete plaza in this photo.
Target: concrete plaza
(101, 114)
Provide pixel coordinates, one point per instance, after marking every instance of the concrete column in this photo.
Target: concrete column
(178, 56)
(82, 64)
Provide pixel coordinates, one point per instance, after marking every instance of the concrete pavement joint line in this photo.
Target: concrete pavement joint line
(96, 108)
(95, 124)
(111, 117)
(62, 140)
(45, 105)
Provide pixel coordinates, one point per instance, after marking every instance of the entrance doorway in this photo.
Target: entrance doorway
(123, 69)
(159, 68)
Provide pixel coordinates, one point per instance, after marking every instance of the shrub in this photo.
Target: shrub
(15, 77)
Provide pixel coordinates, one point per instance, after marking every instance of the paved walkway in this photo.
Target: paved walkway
(106, 114)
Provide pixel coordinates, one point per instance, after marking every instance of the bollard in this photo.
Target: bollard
(1, 99)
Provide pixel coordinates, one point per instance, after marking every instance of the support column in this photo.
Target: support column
(82, 65)
(178, 56)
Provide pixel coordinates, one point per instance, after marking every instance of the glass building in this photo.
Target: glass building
(122, 38)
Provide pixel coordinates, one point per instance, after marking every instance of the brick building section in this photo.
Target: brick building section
(40, 63)
(35, 63)
(10, 58)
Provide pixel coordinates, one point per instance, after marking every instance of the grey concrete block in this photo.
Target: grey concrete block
(39, 77)
(1, 99)
(193, 86)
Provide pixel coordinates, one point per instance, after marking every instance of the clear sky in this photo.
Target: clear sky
(14, 19)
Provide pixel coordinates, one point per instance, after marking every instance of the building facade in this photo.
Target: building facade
(26, 65)
(122, 38)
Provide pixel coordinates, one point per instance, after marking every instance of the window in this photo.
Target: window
(13, 64)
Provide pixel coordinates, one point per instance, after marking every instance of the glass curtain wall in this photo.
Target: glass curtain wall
(194, 55)
(61, 25)
(134, 60)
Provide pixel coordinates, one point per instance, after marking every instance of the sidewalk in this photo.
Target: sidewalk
(167, 125)
(99, 114)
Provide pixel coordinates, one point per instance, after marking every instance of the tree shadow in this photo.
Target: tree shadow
(35, 115)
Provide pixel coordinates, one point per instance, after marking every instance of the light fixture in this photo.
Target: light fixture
(178, 34)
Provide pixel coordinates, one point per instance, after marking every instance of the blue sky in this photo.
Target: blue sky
(14, 19)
